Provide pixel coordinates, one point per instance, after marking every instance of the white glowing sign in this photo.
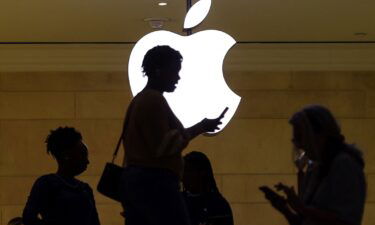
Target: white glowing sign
(202, 91)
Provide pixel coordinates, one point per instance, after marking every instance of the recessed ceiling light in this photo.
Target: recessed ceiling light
(162, 3)
(156, 23)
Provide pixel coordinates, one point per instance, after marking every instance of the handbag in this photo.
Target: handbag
(109, 182)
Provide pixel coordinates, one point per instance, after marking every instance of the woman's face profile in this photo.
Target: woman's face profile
(297, 139)
(77, 159)
(170, 76)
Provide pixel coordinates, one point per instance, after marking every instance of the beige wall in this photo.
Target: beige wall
(253, 150)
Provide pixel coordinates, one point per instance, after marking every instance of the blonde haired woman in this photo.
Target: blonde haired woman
(334, 191)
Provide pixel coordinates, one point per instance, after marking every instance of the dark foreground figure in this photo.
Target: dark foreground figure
(153, 141)
(205, 204)
(332, 187)
(15, 221)
(59, 198)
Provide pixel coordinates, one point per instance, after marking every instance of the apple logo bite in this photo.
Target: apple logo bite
(201, 91)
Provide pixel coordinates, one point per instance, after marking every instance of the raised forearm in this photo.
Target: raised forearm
(194, 131)
(293, 218)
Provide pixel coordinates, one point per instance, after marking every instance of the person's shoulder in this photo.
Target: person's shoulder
(148, 100)
(46, 181)
(85, 186)
(344, 158)
(347, 163)
(47, 178)
(219, 202)
(150, 95)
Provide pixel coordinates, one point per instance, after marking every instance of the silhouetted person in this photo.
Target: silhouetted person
(205, 204)
(304, 167)
(15, 221)
(334, 191)
(153, 141)
(59, 198)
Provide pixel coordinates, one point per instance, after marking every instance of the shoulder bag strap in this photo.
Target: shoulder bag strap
(122, 133)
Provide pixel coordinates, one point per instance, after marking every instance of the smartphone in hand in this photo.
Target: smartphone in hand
(223, 113)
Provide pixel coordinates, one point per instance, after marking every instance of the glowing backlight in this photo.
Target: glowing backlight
(202, 91)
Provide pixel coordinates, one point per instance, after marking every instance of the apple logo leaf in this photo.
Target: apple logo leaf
(197, 13)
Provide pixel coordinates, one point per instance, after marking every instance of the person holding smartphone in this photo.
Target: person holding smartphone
(334, 185)
(153, 140)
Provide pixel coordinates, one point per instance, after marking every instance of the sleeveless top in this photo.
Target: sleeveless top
(150, 138)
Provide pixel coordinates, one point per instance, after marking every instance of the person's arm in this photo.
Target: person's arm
(313, 213)
(156, 122)
(291, 217)
(228, 220)
(176, 140)
(204, 126)
(35, 202)
(95, 216)
(280, 204)
(152, 120)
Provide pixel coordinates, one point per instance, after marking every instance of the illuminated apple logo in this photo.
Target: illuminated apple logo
(202, 91)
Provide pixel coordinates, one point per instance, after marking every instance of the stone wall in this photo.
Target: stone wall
(253, 150)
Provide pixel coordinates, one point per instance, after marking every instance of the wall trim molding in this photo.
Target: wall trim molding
(248, 57)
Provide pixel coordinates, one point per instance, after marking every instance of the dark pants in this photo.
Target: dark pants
(151, 196)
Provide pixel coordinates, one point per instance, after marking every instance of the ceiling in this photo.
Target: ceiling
(245, 20)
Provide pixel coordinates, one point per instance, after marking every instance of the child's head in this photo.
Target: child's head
(15, 221)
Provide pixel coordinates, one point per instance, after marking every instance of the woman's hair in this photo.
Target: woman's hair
(15, 221)
(316, 119)
(158, 58)
(61, 139)
(200, 162)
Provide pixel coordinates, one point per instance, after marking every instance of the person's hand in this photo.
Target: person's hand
(210, 125)
(301, 161)
(276, 200)
(292, 198)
